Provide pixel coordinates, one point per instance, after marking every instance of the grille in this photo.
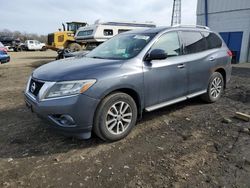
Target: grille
(35, 87)
(50, 38)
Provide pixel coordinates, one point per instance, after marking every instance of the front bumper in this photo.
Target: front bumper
(81, 108)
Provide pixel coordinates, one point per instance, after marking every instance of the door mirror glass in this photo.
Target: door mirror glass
(156, 54)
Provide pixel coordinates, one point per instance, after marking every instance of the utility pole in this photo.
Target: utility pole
(176, 14)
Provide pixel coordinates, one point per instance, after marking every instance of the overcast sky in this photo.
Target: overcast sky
(45, 16)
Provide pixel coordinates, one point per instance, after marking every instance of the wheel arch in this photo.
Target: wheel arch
(223, 73)
(132, 93)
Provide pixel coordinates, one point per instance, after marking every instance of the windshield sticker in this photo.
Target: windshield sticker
(144, 37)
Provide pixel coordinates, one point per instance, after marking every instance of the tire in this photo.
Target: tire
(75, 47)
(215, 88)
(19, 49)
(111, 126)
(44, 48)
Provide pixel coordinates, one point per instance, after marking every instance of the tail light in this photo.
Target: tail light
(230, 54)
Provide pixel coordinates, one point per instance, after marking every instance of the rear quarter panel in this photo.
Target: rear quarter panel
(223, 61)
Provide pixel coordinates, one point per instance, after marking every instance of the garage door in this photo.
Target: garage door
(233, 41)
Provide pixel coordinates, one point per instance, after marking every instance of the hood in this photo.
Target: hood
(75, 69)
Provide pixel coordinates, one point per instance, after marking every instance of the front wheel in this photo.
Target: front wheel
(115, 117)
(74, 47)
(215, 88)
(44, 48)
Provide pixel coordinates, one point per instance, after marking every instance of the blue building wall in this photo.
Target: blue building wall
(229, 17)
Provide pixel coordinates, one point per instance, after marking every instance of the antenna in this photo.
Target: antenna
(176, 14)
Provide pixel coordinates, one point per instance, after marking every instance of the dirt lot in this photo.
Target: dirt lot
(184, 145)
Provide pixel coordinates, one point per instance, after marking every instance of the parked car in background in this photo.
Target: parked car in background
(4, 57)
(12, 43)
(2, 47)
(106, 91)
(34, 45)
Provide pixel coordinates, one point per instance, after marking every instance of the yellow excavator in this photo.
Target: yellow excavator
(65, 39)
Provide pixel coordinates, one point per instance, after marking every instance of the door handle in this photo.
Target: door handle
(211, 59)
(181, 66)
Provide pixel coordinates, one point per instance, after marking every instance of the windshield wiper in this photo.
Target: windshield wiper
(96, 57)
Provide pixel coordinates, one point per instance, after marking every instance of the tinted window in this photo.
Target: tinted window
(122, 30)
(213, 41)
(108, 32)
(31, 42)
(85, 33)
(194, 42)
(169, 42)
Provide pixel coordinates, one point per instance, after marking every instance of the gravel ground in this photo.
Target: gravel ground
(190, 144)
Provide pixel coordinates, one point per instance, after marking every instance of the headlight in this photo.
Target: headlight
(68, 88)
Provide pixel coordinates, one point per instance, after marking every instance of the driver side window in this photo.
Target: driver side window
(170, 43)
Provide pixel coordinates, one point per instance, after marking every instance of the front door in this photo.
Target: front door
(165, 80)
(37, 45)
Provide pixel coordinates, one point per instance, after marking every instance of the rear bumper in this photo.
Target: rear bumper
(81, 108)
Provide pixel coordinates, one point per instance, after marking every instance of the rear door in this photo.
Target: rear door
(165, 80)
(31, 45)
(198, 61)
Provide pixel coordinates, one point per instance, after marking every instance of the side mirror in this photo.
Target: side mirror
(156, 54)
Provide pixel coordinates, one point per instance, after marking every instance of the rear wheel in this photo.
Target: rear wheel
(19, 49)
(215, 88)
(75, 47)
(115, 117)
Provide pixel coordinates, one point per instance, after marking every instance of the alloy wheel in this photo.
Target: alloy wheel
(119, 117)
(216, 87)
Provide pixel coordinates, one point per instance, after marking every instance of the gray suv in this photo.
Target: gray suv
(106, 91)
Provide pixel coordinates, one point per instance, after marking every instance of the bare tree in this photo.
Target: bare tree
(23, 35)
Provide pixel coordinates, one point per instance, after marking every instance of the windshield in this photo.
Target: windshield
(124, 46)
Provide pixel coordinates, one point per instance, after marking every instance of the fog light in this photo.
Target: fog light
(66, 120)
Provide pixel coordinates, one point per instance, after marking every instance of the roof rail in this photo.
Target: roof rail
(192, 26)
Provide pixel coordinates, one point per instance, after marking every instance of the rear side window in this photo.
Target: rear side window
(85, 33)
(168, 42)
(213, 41)
(122, 30)
(108, 32)
(194, 42)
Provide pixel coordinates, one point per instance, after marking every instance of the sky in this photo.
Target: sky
(46, 16)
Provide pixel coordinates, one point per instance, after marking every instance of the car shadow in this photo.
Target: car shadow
(22, 134)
